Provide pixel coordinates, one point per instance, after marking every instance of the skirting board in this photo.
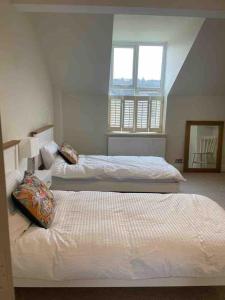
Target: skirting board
(154, 282)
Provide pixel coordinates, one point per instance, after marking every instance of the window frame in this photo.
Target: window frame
(135, 45)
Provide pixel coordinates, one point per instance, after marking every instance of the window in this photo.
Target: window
(149, 67)
(123, 67)
(136, 87)
(135, 114)
(137, 69)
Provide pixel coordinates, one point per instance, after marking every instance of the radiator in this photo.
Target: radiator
(146, 146)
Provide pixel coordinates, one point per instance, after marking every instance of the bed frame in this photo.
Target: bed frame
(46, 134)
(12, 163)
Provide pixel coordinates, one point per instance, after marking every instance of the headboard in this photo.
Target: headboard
(12, 160)
(45, 135)
(11, 155)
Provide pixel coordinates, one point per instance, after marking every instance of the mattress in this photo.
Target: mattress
(99, 236)
(118, 168)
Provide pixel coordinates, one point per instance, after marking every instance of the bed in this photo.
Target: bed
(120, 239)
(105, 239)
(112, 173)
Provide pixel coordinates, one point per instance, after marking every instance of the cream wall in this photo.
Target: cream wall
(26, 101)
(77, 50)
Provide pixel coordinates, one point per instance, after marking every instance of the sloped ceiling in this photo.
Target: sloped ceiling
(77, 49)
(203, 73)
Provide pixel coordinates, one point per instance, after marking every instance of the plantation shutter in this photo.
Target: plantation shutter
(142, 115)
(155, 118)
(128, 114)
(115, 113)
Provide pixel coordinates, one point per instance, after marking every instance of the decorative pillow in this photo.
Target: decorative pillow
(35, 201)
(49, 153)
(69, 154)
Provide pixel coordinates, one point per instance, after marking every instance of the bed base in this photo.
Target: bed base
(113, 186)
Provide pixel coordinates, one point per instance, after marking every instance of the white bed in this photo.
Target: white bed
(112, 173)
(116, 173)
(114, 239)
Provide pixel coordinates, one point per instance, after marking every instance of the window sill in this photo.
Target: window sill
(135, 134)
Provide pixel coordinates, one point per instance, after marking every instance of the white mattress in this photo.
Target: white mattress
(109, 236)
(149, 168)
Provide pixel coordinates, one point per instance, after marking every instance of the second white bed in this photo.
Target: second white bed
(116, 173)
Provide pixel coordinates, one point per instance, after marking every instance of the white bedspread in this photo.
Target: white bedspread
(117, 168)
(97, 235)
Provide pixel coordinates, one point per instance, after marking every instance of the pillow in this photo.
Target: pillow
(35, 201)
(69, 154)
(49, 153)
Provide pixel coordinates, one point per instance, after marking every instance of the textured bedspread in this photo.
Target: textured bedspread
(118, 168)
(97, 235)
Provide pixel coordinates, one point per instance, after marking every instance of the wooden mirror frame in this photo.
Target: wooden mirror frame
(217, 169)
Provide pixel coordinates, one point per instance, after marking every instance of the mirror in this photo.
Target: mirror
(203, 146)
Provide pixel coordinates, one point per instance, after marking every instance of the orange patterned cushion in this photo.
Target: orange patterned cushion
(35, 200)
(69, 154)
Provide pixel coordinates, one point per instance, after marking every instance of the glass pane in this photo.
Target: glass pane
(123, 66)
(150, 66)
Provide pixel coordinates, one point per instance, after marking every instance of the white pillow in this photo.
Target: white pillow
(18, 223)
(49, 153)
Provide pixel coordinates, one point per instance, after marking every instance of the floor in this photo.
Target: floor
(210, 185)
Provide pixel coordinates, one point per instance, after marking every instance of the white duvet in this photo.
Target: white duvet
(147, 168)
(97, 235)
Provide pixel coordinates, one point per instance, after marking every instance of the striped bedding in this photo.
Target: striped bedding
(97, 235)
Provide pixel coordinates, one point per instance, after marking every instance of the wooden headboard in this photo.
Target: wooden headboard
(45, 135)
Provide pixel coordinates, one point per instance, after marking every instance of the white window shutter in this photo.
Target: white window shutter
(142, 115)
(128, 114)
(155, 118)
(115, 113)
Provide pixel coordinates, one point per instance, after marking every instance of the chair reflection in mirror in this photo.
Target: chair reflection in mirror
(207, 152)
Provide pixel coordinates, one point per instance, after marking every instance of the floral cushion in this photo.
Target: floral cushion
(69, 154)
(35, 201)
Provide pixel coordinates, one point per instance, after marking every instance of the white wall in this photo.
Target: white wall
(25, 90)
(77, 50)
